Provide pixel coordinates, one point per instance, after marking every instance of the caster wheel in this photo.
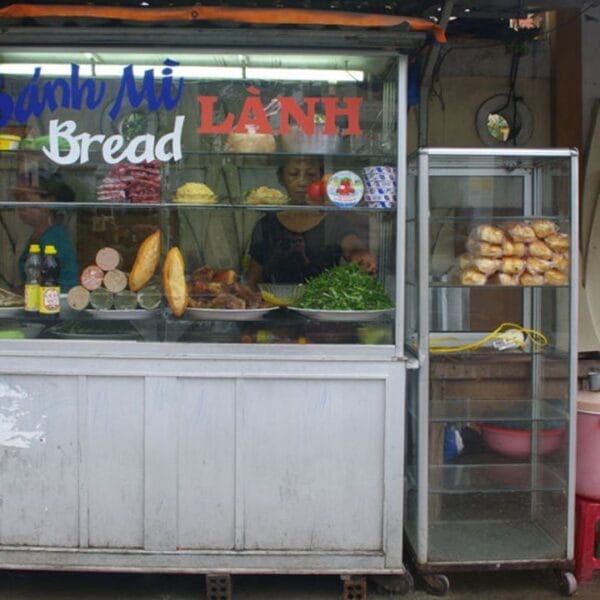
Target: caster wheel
(567, 584)
(436, 584)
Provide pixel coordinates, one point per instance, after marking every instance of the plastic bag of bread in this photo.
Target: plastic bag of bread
(520, 232)
(537, 266)
(488, 266)
(464, 261)
(560, 261)
(510, 248)
(487, 233)
(559, 242)
(484, 249)
(473, 277)
(174, 283)
(529, 279)
(146, 262)
(539, 249)
(512, 265)
(555, 277)
(543, 228)
(501, 278)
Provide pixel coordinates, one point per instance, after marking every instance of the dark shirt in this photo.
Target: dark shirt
(56, 235)
(289, 257)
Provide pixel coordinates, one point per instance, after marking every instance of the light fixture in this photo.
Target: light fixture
(97, 69)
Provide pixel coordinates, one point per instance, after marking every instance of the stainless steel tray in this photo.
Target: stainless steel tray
(343, 315)
(122, 314)
(228, 314)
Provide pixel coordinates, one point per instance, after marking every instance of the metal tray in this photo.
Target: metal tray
(228, 314)
(11, 311)
(122, 314)
(343, 315)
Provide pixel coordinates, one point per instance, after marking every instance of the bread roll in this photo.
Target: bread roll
(473, 277)
(555, 277)
(561, 262)
(487, 266)
(539, 249)
(537, 266)
(529, 279)
(174, 284)
(512, 265)
(484, 249)
(559, 242)
(146, 261)
(464, 261)
(487, 233)
(501, 278)
(510, 248)
(543, 228)
(520, 232)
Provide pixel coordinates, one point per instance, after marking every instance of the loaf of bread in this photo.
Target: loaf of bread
(559, 242)
(473, 277)
(488, 233)
(529, 279)
(251, 142)
(488, 266)
(174, 283)
(484, 249)
(543, 228)
(510, 248)
(561, 262)
(520, 232)
(537, 266)
(539, 249)
(555, 277)
(512, 265)
(145, 263)
(501, 278)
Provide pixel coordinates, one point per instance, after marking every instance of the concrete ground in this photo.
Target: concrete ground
(505, 585)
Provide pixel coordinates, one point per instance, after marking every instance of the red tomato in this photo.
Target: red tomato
(315, 192)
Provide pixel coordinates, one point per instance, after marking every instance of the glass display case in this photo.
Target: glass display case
(201, 147)
(491, 318)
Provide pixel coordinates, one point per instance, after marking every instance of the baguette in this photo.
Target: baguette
(174, 283)
(145, 263)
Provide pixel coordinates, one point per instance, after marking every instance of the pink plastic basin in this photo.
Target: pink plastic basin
(516, 443)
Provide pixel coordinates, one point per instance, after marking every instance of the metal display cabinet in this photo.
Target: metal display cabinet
(165, 444)
(491, 320)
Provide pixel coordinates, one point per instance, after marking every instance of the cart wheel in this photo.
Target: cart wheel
(436, 584)
(394, 584)
(567, 584)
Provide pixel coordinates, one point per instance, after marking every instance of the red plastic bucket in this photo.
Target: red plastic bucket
(588, 445)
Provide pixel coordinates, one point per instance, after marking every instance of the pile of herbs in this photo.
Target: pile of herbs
(344, 287)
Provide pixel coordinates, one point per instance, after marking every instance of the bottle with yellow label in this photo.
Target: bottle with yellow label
(33, 273)
(49, 286)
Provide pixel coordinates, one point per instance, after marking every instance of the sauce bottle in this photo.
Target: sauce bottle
(33, 272)
(49, 287)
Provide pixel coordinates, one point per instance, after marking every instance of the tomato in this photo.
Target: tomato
(315, 192)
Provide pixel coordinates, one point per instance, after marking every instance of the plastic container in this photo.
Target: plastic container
(9, 142)
(516, 443)
(588, 445)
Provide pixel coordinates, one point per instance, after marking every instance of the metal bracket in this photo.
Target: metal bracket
(355, 588)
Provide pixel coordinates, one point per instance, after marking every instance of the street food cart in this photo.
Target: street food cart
(139, 434)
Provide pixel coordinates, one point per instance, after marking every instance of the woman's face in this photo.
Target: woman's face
(29, 212)
(296, 176)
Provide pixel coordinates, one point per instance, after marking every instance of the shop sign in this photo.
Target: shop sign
(76, 93)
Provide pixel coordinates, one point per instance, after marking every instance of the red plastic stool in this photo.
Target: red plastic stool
(587, 516)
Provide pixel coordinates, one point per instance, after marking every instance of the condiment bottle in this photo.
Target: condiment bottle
(49, 286)
(33, 268)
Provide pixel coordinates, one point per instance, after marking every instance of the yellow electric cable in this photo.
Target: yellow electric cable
(537, 338)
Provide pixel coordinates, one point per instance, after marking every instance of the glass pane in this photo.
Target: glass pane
(255, 169)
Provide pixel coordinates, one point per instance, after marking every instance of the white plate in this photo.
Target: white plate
(228, 314)
(343, 315)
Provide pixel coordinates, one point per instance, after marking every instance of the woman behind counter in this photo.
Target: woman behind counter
(290, 247)
(47, 226)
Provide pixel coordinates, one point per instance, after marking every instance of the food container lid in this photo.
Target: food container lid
(9, 137)
(588, 402)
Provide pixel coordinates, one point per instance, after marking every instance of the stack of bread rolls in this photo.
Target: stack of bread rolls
(518, 253)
